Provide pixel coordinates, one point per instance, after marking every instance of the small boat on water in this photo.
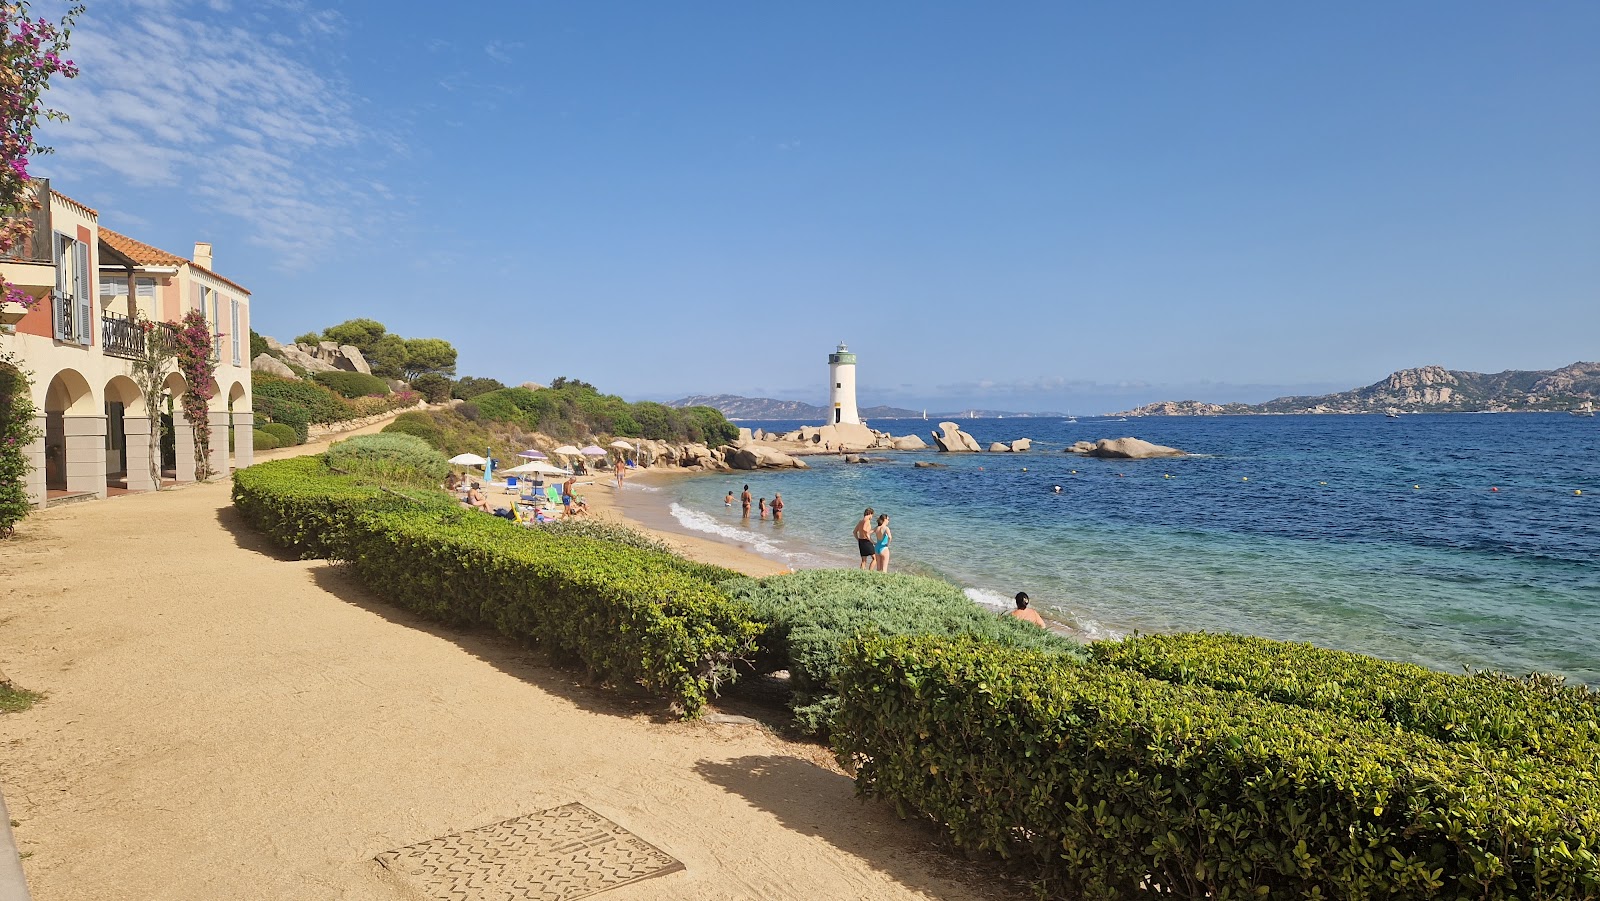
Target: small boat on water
(1584, 409)
(1392, 413)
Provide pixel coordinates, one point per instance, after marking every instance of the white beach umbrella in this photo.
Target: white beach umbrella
(536, 468)
(593, 450)
(568, 450)
(467, 460)
(619, 444)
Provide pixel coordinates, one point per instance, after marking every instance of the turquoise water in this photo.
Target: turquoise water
(1355, 532)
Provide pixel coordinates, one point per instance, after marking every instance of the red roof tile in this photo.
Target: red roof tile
(145, 255)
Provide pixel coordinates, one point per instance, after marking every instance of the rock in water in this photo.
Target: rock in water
(998, 448)
(909, 442)
(1124, 449)
(924, 464)
(1021, 444)
(953, 440)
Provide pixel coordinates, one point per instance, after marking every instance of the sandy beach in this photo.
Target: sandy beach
(221, 722)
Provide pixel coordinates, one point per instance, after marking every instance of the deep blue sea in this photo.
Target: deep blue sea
(1355, 532)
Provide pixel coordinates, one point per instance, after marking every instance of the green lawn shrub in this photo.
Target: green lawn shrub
(808, 616)
(322, 405)
(352, 384)
(1534, 716)
(389, 459)
(419, 424)
(1106, 784)
(628, 615)
(287, 435)
(275, 410)
(261, 439)
(306, 508)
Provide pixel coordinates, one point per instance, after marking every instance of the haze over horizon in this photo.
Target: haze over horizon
(1034, 208)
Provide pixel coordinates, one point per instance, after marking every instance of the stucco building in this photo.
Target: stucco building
(77, 344)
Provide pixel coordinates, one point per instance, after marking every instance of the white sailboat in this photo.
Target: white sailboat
(924, 414)
(1584, 409)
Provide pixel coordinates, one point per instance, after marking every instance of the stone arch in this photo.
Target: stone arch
(239, 398)
(74, 435)
(122, 389)
(69, 392)
(127, 446)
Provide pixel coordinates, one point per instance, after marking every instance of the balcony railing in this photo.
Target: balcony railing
(64, 307)
(122, 337)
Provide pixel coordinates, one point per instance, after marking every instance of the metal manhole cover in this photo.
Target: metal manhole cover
(561, 854)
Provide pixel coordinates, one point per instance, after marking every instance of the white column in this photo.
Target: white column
(136, 434)
(219, 444)
(86, 452)
(33, 482)
(244, 442)
(183, 447)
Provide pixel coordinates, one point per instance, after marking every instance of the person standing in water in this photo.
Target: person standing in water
(763, 508)
(881, 536)
(744, 501)
(1023, 613)
(728, 501)
(863, 535)
(777, 505)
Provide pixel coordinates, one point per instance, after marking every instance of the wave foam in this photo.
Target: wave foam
(696, 521)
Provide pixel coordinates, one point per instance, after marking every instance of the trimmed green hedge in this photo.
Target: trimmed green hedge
(1106, 784)
(352, 384)
(420, 425)
(393, 459)
(808, 616)
(277, 411)
(261, 439)
(629, 614)
(287, 435)
(322, 405)
(1536, 716)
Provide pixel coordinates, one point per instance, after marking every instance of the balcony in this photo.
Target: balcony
(30, 266)
(122, 337)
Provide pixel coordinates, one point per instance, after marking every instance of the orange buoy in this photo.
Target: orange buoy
(1494, 489)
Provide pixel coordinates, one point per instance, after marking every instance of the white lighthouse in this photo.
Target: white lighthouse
(842, 386)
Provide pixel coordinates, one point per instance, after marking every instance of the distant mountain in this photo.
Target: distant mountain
(1429, 389)
(759, 408)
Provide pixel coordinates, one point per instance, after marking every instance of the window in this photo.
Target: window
(838, 384)
(146, 288)
(233, 332)
(73, 314)
(113, 284)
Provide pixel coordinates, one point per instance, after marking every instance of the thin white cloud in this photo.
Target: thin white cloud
(503, 52)
(195, 96)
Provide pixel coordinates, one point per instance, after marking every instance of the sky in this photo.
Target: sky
(1025, 206)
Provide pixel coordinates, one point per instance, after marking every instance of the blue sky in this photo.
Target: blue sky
(1024, 206)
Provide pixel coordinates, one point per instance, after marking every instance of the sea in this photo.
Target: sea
(1454, 541)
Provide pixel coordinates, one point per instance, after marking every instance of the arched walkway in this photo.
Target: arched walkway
(74, 437)
(177, 436)
(241, 426)
(127, 438)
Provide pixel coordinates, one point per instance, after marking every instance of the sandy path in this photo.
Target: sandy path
(222, 723)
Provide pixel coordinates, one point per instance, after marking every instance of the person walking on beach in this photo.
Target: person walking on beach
(863, 536)
(744, 501)
(763, 508)
(622, 468)
(777, 505)
(1023, 613)
(881, 536)
(728, 501)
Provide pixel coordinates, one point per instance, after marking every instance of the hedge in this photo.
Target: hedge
(1107, 784)
(276, 410)
(286, 435)
(392, 459)
(628, 614)
(261, 439)
(1536, 716)
(322, 405)
(419, 424)
(808, 616)
(352, 384)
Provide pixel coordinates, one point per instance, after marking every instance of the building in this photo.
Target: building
(78, 342)
(842, 394)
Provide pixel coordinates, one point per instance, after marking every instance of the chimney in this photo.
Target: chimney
(202, 255)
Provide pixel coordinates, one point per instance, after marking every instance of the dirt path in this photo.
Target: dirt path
(225, 724)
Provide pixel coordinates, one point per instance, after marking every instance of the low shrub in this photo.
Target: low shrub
(809, 615)
(419, 424)
(261, 439)
(1536, 717)
(1107, 784)
(433, 386)
(628, 615)
(352, 384)
(287, 435)
(322, 406)
(304, 507)
(389, 458)
(295, 416)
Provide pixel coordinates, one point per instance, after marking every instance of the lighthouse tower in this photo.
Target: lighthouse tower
(842, 386)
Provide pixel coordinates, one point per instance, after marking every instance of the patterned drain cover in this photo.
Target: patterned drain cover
(561, 854)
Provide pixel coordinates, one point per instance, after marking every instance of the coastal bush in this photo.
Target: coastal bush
(270, 410)
(808, 616)
(322, 405)
(390, 459)
(287, 435)
(433, 386)
(629, 615)
(261, 439)
(572, 409)
(352, 384)
(419, 424)
(306, 508)
(469, 386)
(1536, 717)
(17, 432)
(1105, 784)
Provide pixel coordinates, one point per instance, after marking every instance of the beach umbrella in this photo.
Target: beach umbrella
(467, 460)
(537, 468)
(532, 454)
(593, 451)
(619, 444)
(567, 450)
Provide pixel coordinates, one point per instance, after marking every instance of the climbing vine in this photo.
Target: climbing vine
(17, 433)
(150, 371)
(192, 349)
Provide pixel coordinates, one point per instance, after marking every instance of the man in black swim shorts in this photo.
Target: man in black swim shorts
(863, 535)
